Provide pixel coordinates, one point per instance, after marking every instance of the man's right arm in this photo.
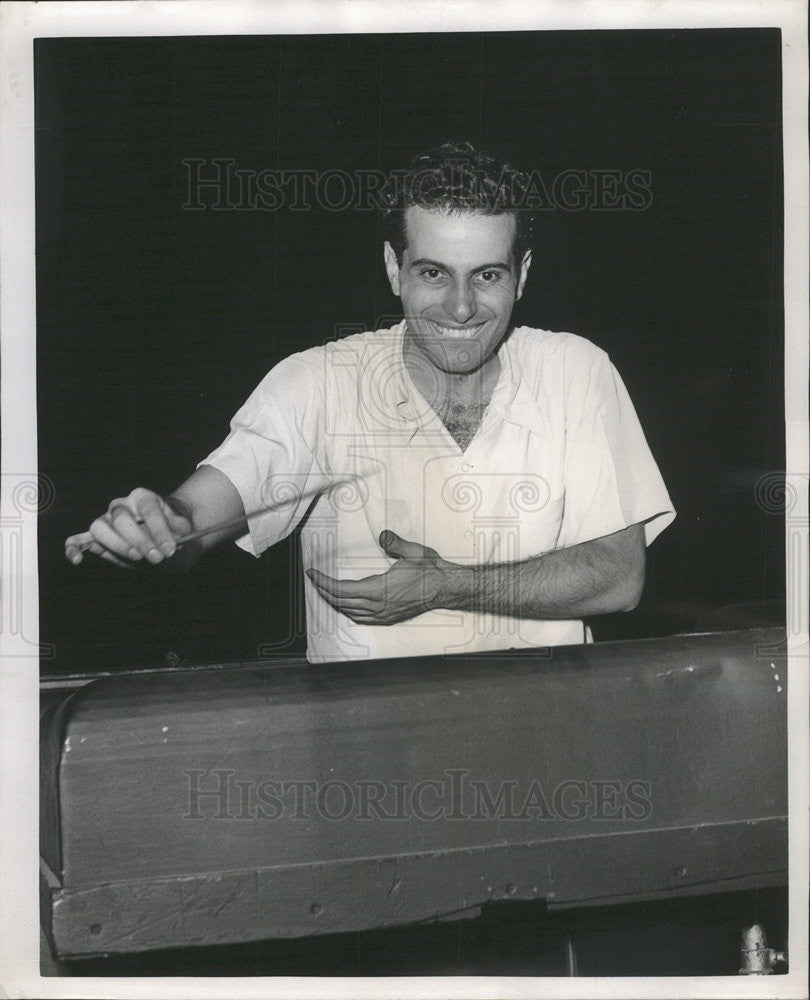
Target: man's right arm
(146, 526)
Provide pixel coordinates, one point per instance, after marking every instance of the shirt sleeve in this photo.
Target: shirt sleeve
(611, 478)
(270, 453)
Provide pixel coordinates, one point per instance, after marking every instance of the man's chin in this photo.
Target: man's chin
(450, 353)
(461, 362)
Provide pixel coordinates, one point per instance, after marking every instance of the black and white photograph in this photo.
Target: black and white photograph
(415, 531)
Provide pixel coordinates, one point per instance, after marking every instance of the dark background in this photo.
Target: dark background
(155, 323)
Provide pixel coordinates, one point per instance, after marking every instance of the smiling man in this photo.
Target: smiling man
(462, 485)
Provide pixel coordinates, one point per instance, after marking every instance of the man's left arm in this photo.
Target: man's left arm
(592, 578)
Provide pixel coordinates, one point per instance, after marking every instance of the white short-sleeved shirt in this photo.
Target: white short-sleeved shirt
(340, 437)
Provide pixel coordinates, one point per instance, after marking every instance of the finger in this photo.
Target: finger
(353, 605)
(360, 619)
(179, 524)
(75, 546)
(346, 604)
(105, 554)
(153, 512)
(103, 532)
(164, 522)
(368, 588)
(401, 548)
(131, 526)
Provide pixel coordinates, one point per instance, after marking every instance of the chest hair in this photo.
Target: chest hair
(462, 421)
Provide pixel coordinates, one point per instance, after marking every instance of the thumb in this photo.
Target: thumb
(400, 548)
(178, 523)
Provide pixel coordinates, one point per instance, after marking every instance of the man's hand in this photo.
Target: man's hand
(146, 526)
(409, 588)
(593, 578)
(136, 527)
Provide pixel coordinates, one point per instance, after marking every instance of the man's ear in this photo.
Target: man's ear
(391, 267)
(525, 264)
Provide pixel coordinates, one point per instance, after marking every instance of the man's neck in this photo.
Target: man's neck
(443, 389)
(458, 399)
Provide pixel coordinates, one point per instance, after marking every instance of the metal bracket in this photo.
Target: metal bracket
(757, 958)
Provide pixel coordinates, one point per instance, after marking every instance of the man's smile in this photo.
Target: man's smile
(457, 332)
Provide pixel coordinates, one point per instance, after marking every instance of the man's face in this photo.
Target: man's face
(458, 283)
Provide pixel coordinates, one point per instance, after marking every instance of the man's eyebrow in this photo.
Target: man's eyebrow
(426, 261)
(494, 266)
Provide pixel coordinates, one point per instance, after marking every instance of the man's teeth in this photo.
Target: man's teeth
(459, 332)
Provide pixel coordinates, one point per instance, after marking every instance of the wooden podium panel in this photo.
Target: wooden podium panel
(209, 806)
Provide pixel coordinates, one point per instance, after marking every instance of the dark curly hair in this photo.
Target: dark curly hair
(457, 177)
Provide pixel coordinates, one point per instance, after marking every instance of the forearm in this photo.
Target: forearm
(207, 499)
(596, 577)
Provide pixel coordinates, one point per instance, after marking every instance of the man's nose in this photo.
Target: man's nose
(460, 302)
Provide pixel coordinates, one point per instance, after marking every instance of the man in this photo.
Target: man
(463, 485)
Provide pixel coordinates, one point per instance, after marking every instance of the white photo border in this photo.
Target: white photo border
(20, 24)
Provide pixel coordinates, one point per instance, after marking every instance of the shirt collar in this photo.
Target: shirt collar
(512, 399)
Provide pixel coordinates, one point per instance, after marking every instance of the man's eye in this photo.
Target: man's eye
(431, 273)
(489, 277)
